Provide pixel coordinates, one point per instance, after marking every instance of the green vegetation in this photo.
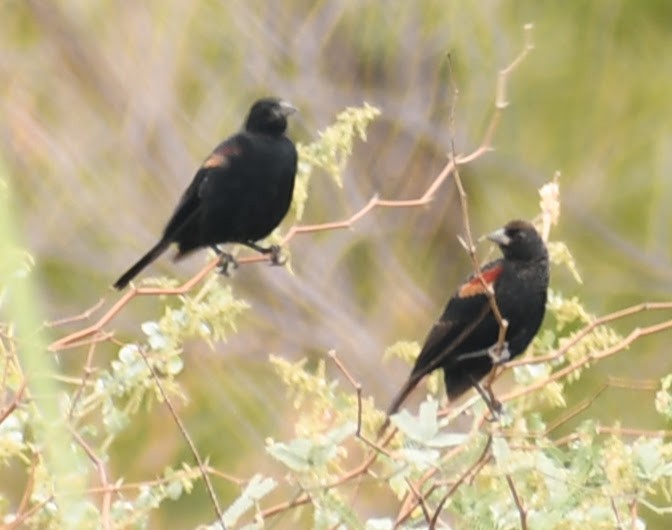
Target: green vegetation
(106, 111)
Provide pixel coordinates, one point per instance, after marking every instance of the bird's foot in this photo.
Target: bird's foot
(275, 252)
(227, 263)
(499, 353)
(277, 257)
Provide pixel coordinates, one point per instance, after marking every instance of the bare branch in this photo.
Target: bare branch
(185, 434)
(420, 499)
(481, 461)
(358, 389)
(519, 504)
(78, 337)
(564, 372)
(95, 333)
(102, 477)
(76, 318)
(87, 373)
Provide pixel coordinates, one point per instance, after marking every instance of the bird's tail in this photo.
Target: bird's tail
(408, 387)
(145, 260)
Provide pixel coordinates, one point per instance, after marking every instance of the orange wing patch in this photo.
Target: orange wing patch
(220, 156)
(474, 286)
(214, 160)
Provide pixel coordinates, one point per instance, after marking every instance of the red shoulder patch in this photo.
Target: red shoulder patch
(474, 286)
(220, 156)
(214, 160)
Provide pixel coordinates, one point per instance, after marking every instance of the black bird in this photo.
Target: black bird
(464, 340)
(241, 192)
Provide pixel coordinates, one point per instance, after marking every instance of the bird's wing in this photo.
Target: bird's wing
(190, 202)
(465, 312)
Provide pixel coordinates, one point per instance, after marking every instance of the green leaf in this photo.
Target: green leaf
(174, 365)
(648, 458)
(421, 429)
(293, 454)
(501, 450)
(174, 489)
(129, 354)
(422, 458)
(256, 489)
(259, 487)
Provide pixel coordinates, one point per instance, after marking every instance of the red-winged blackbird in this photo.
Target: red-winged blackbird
(464, 342)
(241, 192)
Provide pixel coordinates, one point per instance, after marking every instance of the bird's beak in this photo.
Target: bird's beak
(499, 237)
(286, 108)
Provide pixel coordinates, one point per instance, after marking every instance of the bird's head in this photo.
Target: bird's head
(519, 240)
(269, 116)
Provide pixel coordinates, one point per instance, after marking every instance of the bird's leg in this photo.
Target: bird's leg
(499, 353)
(274, 250)
(227, 263)
(493, 404)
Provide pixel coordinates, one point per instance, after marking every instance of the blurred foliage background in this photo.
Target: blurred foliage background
(108, 108)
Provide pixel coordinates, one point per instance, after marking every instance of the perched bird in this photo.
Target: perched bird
(464, 342)
(241, 192)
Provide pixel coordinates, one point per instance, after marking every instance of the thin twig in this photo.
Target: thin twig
(588, 328)
(635, 334)
(76, 318)
(409, 505)
(469, 245)
(358, 389)
(19, 520)
(30, 485)
(95, 332)
(18, 396)
(420, 498)
(185, 434)
(482, 459)
(102, 477)
(575, 411)
(485, 146)
(616, 514)
(501, 100)
(80, 389)
(195, 472)
(519, 504)
(617, 431)
(357, 386)
(633, 384)
(282, 507)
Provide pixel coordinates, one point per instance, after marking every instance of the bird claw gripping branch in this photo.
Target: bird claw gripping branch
(227, 262)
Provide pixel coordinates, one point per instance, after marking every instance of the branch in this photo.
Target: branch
(192, 446)
(621, 345)
(519, 504)
(102, 477)
(358, 389)
(95, 333)
(616, 315)
(76, 318)
(76, 338)
(471, 470)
